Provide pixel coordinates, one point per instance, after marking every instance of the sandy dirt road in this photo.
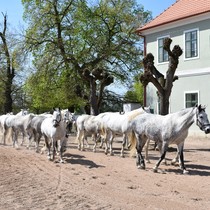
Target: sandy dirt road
(97, 181)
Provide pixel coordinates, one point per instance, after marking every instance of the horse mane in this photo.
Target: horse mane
(134, 114)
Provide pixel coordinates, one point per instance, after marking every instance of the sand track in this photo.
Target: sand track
(90, 180)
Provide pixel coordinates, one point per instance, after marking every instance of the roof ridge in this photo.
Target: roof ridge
(180, 9)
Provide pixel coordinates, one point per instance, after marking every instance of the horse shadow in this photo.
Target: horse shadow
(80, 159)
(194, 170)
(194, 150)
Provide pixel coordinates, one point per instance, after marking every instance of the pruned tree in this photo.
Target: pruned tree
(163, 83)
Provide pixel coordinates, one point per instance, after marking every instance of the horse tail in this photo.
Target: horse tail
(132, 141)
(9, 134)
(102, 130)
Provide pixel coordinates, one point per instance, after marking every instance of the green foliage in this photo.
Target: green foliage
(67, 38)
(112, 102)
(46, 92)
(136, 94)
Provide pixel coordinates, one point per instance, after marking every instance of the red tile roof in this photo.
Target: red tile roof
(181, 9)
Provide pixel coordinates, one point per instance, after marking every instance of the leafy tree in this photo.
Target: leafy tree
(163, 84)
(85, 46)
(136, 94)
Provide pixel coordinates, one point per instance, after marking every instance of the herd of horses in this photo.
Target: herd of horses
(137, 128)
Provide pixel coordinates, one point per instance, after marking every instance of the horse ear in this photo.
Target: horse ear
(200, 108)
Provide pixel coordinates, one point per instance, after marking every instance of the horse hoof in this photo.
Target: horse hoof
(140, 167)
(185, 172)
(155, 170)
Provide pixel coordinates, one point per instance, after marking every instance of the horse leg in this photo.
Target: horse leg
(54, 145)
(37, 142)
(110, 144)
(139, 157)
(123, 145)
(163, 149)
(30, 135)
(159, 147)
(79, 136)
(5, 131)
(84, 138)
(105, 142)
(95, 142)
(15, 138)
(48, 145)
(61, 149)
(102, 141)
(146, 151)
(37, 137)
(176, 159)
(86, 141)
(181, 158)
(23, 137)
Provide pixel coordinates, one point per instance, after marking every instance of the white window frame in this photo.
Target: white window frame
(198, 43)
(190, 92)
(162, 37)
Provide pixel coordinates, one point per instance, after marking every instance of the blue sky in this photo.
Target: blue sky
(14, 9)
(156, 6)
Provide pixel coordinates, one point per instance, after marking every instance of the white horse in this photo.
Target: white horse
(34, 127)
(54, 131)
(17, 123)
(114, 123)
(89, 125)
(2, 125)
(165, 130)
(82, 130)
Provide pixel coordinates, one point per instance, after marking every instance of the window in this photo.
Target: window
(162, 54)
(191, 44)
(191, 99)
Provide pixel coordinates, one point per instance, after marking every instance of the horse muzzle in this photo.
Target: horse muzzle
(55, 123)
(207, 129)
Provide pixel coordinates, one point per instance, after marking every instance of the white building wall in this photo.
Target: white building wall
(194, 74)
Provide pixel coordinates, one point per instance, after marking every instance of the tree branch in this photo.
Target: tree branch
(151, 74)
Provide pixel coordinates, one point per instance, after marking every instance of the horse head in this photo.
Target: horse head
(67, 116)
(56, 117)
(146, 109)
(202, 120)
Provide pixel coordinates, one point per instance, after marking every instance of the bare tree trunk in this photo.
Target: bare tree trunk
(10, 71)
(93, 98)
(163, 84)
(164, 104)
